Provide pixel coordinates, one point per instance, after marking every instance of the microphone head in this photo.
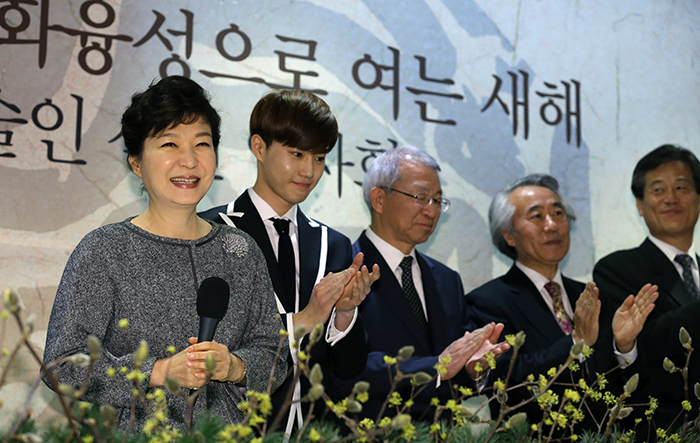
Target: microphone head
(212, 298)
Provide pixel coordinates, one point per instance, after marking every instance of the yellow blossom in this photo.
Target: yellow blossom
(533, 427)
(302, 356)
(434, 428)
(587, 351)
(314, 435)
(602, 381)
(499, 385)
(409, 403)
(491, 360)
(366, 423)
(283, 333)
(686, 405)
(434, 401)
(395, 399)
(88, 439)
(124, 323)
(530, 378)
(409, 432)
(172, 349)
(561, 420)
(386, 421)
(389, 360)
(609, 398)
(653, 404)
(362, 397)
(136, 375)
(256, 440)
(577, 416)
(256, 419)
(4, 314)
(572, 395)
(552, 372)
(111, 372)
(510, 338)
(466, 391)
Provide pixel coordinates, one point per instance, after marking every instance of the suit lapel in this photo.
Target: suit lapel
(389, 292)
(529, 302)
(665, 274)
(309, 254)
(436, 312)
(251, 223)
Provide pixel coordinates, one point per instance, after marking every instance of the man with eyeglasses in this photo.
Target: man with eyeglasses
(418, 301)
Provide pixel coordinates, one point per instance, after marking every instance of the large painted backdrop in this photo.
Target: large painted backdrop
(494, 89)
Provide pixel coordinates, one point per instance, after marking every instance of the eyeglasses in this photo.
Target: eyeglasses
(425, 200)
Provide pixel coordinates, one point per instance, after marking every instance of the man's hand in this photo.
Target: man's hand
(324, 296)
(355, 292)
(630, 317)
(490, 345)
(464, 347)
(586, 316)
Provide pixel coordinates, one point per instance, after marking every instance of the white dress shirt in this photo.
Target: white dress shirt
(671, 252)
(393, 258)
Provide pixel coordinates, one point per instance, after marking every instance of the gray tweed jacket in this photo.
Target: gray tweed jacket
(120, 271)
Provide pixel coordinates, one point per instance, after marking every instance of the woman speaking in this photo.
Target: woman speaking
(139, 279)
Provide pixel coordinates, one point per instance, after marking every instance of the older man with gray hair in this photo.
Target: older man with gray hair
(530, 223)
(418, 301)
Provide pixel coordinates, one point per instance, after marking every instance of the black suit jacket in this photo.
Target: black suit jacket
(513, 300)
(391, 324)
(347, 357)
(625, 272)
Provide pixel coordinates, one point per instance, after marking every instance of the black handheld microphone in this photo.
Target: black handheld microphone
(212, 303)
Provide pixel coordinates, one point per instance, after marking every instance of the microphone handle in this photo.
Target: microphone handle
(207, 327)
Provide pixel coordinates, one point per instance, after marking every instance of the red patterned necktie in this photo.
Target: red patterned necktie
(559, 313)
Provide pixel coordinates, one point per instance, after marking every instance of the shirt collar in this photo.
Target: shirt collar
(266, 212)
(671, 251)
(391, 254)
(538, 279)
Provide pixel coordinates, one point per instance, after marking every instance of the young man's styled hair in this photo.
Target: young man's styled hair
(295, 118)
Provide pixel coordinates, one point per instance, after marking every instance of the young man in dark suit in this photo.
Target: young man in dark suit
(530, 223)
(666, 186)
(311, 266)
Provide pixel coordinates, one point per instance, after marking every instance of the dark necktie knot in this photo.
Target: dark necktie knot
(686, 263)
(406, 263)
(684, 260)
(281, 225)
